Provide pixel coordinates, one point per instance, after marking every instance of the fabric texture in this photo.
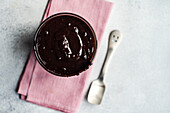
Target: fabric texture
(63, 93)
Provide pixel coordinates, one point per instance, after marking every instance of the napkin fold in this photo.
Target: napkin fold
(63, 93)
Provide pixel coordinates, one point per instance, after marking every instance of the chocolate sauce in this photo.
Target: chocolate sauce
(65, 45)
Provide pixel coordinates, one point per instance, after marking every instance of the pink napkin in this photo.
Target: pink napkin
(63, 93)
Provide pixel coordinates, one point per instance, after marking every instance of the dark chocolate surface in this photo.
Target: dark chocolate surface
(65, 45)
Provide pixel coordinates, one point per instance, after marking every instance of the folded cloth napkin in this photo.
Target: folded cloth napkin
(63, 93)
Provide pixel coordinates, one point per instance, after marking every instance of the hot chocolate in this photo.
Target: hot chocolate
(65, 44)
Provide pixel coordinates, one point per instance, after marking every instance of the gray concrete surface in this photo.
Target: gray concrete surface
(138, 80)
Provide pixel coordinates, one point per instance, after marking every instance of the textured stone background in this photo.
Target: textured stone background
(138, 79)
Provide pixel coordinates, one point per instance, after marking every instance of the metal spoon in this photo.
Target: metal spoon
(97, 88)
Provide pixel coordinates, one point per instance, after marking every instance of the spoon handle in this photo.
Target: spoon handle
(114, 40)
